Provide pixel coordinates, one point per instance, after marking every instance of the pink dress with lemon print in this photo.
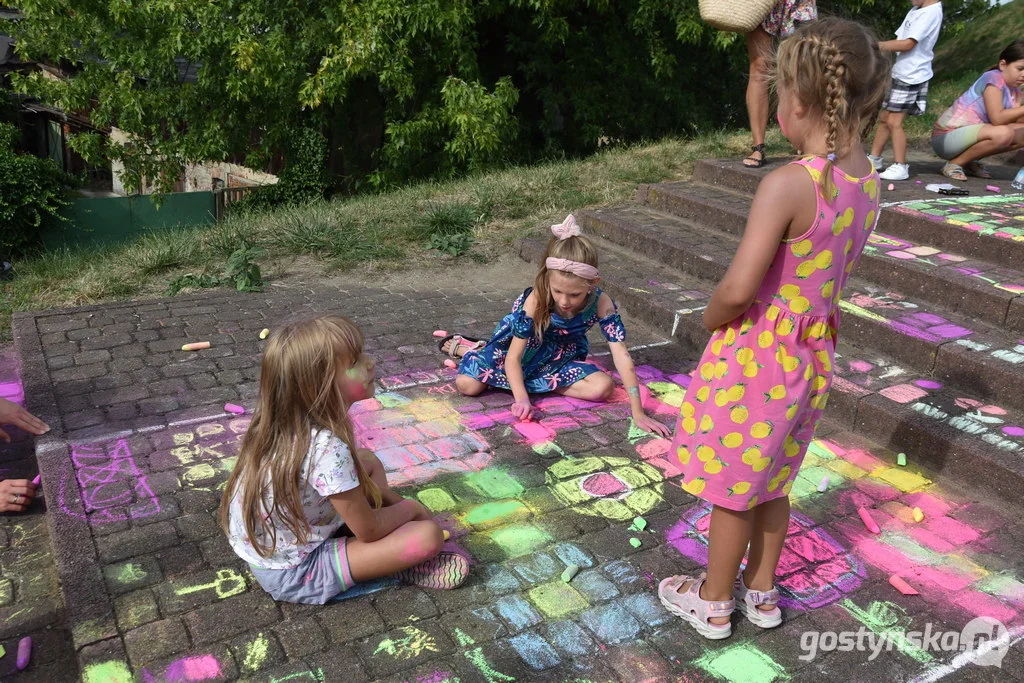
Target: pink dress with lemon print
(763, 380)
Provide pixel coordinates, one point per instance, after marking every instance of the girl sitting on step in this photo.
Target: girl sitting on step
(759, 390)
(987, 119)
(542, 346)
(311, 513)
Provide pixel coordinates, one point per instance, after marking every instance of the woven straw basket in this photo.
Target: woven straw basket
(739, 16)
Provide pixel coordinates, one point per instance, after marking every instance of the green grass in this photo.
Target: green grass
(388, 231)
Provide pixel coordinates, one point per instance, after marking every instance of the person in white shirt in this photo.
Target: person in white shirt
(908, 93)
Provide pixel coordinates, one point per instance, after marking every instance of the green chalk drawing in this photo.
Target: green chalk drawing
(667, 392)
(564, 469)
(558, 600)
(889, 620)
(476, 658)
(131, 572)
(519, 539)
(636, 434)
(256, 653)
(547, 447)
(415, 642)
(635, 542)
(316, 675)
(494, 483)
(228, 464)
(390, 400)
(3, 651)
(114, 671)
(639, 524)
(228, 583)
(438, 500)
(741, 663)
(493, 513)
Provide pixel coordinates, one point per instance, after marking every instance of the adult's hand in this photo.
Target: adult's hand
(13, 414)
(16, 495)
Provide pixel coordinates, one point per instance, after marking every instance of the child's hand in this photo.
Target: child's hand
(649, 424)
(522, 410)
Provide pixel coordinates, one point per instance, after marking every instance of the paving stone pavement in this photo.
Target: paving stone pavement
(150, 591)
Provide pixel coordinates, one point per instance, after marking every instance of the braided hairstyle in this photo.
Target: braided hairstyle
(834, 66)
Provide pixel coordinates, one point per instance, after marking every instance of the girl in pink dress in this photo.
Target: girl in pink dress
(763, 380)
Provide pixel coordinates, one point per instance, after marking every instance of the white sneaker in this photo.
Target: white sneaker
(877, 162)
(896, 172)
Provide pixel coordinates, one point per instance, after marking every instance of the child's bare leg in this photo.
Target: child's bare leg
(899, 137)
(727, 541)
(407, 546)
(992, 140)
(881, 135)
(771, 522)
(375, 470)
(469, 386)
(596, 386)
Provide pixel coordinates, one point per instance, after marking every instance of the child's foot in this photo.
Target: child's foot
(760, 607)
(444, 572)
(896, 171)
(977, 169)
(457, 346)
(756, 158)
(877, 162)
(710, 619)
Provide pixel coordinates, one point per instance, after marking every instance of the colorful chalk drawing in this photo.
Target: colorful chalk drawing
(111, 486)
(413, 643)
(190, 669)
(997, 216)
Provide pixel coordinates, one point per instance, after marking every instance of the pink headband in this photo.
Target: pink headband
(565, 230)
(583, 270)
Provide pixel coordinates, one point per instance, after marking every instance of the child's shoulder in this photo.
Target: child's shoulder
(783, 178)
(605, 305)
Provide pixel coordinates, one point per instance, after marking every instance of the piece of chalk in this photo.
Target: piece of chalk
(901, 585)
(440, 333)
(992, 188)
(891, 187)
(639, 524)
(449, 363)
(635, 542)
(918, 182)
(901, 459)
(447, 534)
(918, 515)
(570, 572)
(823, 484)
(195, 346)
(3, 651)
(24, 653)
(232, 408)
(264, 333)
(871, 524)
(37, 480)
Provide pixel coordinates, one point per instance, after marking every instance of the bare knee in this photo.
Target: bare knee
(1003, 136)
(599, 387)
(428, 540)
(467, 386)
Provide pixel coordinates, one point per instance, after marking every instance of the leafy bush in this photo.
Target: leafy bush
(33, 192)
(241, 273)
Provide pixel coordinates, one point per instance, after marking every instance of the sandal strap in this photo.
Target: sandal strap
(712, 608)
(763, 597)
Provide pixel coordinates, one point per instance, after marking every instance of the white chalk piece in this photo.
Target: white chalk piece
(570, 572)
(264, 333)
(823, 484)
(232, 408)
(918, 514)
(196, 346)
(870, 523)
(24, 653)
(440, 333)
(902, 586)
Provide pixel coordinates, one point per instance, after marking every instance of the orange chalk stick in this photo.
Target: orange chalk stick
(870, 523)
(195, 346)
(902, 586)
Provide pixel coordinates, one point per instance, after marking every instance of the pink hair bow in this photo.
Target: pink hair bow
(583, 270)
(566, 228)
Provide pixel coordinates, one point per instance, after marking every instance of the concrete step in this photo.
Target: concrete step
(923, 336)
(914, 214)
(979, 289)
(959, 433)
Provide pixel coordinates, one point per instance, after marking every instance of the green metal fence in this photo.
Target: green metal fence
(95, 221)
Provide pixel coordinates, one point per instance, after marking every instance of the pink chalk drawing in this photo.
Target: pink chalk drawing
(815, 569)
(111, 485)
(188, 670)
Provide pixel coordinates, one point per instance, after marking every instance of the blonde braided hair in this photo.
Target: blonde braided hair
(834, 66)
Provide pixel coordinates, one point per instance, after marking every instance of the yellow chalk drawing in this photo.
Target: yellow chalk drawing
(199, 472)
(476, 658)
(415, 642)
(113, 671)
(228, 583)
(131, 572)
(256, 653)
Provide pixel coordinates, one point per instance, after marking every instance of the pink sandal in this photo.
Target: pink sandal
(693, 609)
(749, 602)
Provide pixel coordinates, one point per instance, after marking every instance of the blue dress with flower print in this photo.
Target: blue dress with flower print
(557, 360)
